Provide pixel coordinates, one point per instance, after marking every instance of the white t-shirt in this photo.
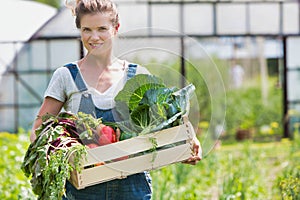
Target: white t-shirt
(63, 88)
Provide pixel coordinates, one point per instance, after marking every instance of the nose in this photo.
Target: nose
(95, 35)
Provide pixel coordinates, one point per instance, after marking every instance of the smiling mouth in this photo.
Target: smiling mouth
(95, 45)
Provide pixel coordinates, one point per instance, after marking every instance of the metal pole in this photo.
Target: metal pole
(16, 91)
(182, 61)
(182, 46)
(284, 86)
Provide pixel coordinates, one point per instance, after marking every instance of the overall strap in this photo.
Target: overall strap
(79, 80)
(76, 77)
(131, 71)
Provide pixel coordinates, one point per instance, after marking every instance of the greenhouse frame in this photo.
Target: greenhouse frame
(148, 26)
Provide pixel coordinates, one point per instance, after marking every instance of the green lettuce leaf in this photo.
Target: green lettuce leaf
(146, 104)
(135, 88)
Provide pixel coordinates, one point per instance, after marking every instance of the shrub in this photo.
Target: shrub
(13, 183)
(289, 180)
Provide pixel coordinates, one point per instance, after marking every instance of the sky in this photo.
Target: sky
(18, 21)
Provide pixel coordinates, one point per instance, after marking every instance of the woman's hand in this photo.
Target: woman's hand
(197, 153)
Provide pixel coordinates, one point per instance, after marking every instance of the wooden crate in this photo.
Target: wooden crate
(173, 145)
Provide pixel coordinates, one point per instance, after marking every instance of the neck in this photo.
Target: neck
(96, 61)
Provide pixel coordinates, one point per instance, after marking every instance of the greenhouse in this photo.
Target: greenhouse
(241, 56)
(191, 30)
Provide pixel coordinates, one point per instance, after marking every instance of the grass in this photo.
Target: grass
(241, 171)
(13, 183)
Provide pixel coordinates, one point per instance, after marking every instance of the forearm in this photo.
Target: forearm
(36, 124)
(49, 106)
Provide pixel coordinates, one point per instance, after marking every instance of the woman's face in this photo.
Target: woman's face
(97, 32)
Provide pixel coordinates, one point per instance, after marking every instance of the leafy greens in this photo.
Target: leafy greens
(47, 158)
(146, 104)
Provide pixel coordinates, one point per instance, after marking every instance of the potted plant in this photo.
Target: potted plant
(245, 130)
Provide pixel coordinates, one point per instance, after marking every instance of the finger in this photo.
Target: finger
(118, 134)
(192, 160)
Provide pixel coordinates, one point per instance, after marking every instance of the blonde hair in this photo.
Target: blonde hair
(84, 7)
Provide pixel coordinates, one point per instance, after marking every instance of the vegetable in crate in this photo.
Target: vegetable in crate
(47, 158)
(146, 104)
(107, 135)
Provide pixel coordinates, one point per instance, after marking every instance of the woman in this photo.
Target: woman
(90, 85)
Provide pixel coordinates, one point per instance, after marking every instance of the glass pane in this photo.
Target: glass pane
(7, 89)
(8, 52)
(31, 89)
(264, 18)
(27, 116)
(293, 48)
(198, 19)
(293, 79)
(144, 50)
(165, 19)
(7, 118)
(290, 18)
(231, 19)
(63, 51)
(133, 19)
(294, 110)
(38, 54)
(62, 25)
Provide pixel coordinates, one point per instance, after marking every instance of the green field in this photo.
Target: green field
(244, 170)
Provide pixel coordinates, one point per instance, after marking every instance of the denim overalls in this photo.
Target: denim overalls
(134, 187)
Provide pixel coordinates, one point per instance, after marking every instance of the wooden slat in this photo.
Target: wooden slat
(134, 165)
(123, 168)
(136, 144)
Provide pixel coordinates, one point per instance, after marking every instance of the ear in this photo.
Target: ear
(117, 27)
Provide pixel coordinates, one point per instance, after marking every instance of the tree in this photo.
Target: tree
(54, 3)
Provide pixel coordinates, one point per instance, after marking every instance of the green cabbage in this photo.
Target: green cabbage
(146, 105)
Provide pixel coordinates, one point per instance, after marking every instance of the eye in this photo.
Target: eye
(103, 28)
(84, 29)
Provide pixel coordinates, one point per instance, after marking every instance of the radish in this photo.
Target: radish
(107, 135)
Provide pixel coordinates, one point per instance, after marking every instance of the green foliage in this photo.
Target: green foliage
(199, 79)
(54, 3)
(289, 181)
(13, 182)
(245, 181)
(245, 108)
(146, 104)
(135, 88)
(46, 160)
(208, 76)
(290, 187)
(240, 171)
